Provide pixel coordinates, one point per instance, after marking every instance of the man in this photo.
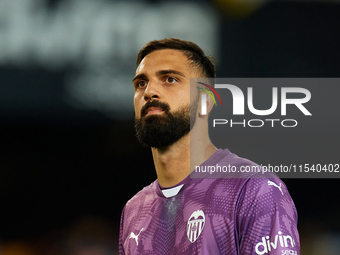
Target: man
(178, 214)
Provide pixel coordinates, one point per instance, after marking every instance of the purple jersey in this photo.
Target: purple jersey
(212, 216)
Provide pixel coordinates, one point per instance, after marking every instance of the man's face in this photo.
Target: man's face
(162, 97)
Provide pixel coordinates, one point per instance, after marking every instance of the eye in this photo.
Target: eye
(141, 84)
(170, 80)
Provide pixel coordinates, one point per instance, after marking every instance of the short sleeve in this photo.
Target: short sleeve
(266, 219)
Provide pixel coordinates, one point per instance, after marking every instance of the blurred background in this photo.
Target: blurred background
(69, 159)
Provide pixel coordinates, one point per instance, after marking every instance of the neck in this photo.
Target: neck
(175, 162)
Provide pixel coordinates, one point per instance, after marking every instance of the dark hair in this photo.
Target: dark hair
(193, 52)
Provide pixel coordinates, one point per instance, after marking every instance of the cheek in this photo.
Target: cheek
(137, 105)
(187, 95)
(181, 100)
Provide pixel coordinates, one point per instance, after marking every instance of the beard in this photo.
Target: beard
(164, 129)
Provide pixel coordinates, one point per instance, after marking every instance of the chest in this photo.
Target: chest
(179, 225)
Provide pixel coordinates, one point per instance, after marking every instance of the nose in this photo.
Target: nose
(151, 91)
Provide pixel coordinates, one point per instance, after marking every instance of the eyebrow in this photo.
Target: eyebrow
(158, 73)
(139, 76)
(170, 71)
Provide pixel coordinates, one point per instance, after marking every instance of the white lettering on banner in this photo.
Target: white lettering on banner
(83, 32)
(101, 39)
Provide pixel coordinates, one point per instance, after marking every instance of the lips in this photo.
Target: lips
(154, 107)
(153, 110)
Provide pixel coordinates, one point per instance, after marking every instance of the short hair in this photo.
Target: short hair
(191, 50)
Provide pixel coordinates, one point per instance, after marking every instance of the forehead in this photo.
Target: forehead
(164, 59)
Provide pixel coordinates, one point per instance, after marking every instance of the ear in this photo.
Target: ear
(206, 104)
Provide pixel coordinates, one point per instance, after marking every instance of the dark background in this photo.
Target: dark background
(61, 166)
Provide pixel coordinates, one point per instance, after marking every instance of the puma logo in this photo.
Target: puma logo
(270, 183)
(132, 235)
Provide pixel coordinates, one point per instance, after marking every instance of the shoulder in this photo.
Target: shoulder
(252, 185)
(266, 196)
(142, 197)
(224, 164)
(141, 201)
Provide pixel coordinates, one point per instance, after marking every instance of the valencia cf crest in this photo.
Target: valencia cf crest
(195, 225)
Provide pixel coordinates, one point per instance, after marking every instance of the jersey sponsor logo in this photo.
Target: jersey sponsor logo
(289, 252)
(270, 183)
(195, 225)
(132, 235)
(266, 245)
